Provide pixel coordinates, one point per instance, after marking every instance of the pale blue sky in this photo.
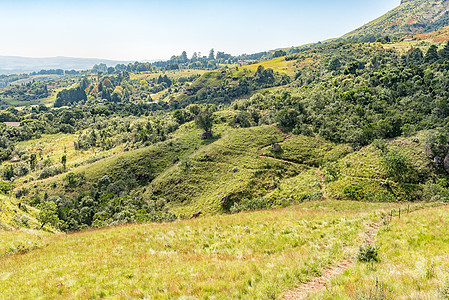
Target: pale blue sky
(137, 29)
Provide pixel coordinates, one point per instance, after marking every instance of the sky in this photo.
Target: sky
(147, 30)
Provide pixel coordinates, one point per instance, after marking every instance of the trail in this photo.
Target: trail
(319, 283)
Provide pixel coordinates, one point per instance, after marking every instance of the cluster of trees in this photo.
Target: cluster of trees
(224, 86)
(360, 93)
(108, 202)
(68, 96)
(5, 80)
(25, 92)
(55, 72)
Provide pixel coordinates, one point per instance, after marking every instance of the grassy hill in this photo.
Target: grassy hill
(415, 16)
(413, 262)
(258, 255)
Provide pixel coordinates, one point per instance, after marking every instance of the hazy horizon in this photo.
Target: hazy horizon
(147, 30)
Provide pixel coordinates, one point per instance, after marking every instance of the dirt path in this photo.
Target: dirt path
(319, 283)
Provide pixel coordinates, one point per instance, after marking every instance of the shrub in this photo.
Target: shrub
(367, 253)
(354, 191)
(5, 187)
(398, 166)
(49, 172)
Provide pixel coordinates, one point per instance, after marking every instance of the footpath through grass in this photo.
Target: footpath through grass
(414, 262)
(255, 255)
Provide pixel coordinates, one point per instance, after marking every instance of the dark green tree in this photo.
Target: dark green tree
(64, 161)
(444, 53)
(287, 118)
(431, 54)
(414, 56)
(212, 54)
(8, 173)
(334, 65)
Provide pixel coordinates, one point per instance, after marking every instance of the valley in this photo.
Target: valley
(313, 172)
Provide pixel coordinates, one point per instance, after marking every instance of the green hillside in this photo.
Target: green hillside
(258, 255)
(411, 17)
(319, 171)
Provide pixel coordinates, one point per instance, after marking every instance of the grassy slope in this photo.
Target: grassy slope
(204, 182)
(254, 255)
(201, 182)
(11, 216)
(149, 161)
(363, 169)
(414, 260)
(307, 150)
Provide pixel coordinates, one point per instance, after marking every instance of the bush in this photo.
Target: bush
(49, 172)
(5, 187)
(354, 191)
(434, 192)
(367, 253)
(398, 166)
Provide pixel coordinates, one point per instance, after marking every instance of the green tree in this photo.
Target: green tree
(414, 56)
(212, 54)
(444, 53)
(398, 166)
(431, 54)
(334, 65)
(204, 120)
(287, 118)
(8, 173)
(184, 56)
(47, 213)
(64, 161)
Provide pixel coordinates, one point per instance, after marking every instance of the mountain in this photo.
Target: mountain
(17, 64)
(410, 17)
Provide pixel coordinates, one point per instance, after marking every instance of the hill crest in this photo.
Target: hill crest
(410, 17)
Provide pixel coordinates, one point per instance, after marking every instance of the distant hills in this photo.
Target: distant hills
(17, 64)
(410, 17)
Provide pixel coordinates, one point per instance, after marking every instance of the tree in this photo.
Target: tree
(397, 165)
(279, 53)
(8, 173)
(47, 213)
(414, 56)
(64, 161)
(33, 161)
(431, 55)
(334, 65)
(287, 119)
(211, 54)
(204, 120)
(444, 53)
(184, 56)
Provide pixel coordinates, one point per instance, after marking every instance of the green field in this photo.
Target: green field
(258, 255)
(413, 252)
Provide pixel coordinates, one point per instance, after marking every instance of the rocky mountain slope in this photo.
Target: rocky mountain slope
(411, 16)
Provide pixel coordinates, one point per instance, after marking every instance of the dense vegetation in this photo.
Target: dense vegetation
(347, 94)
(327, 145)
